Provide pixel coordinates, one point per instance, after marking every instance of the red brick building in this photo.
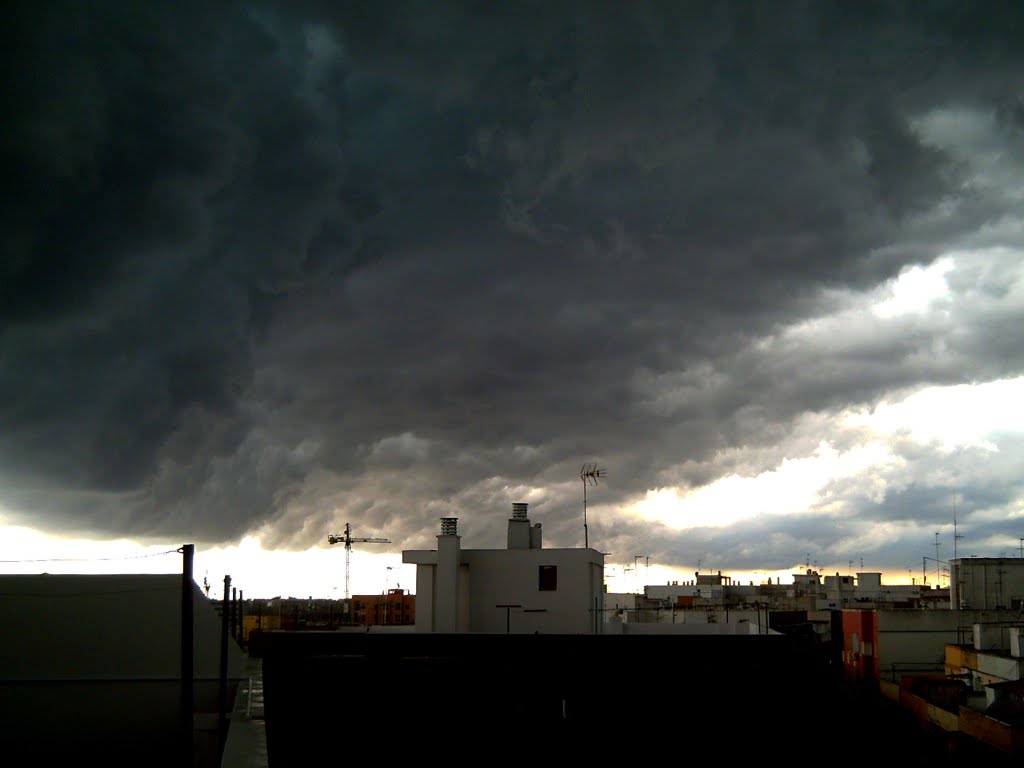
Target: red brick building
(397, 607)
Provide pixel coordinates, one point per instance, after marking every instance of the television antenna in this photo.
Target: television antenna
(589, 475)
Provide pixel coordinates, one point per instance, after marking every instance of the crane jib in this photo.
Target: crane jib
(347, 539)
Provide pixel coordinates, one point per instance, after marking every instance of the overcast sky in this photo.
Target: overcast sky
(270, 268)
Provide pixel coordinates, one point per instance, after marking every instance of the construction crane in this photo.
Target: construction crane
(347, 538)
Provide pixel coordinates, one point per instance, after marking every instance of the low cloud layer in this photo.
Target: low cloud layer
(274, 267)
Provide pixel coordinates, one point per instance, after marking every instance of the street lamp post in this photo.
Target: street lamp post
(508, 614)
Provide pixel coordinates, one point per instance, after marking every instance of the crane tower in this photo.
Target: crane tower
(347, 538)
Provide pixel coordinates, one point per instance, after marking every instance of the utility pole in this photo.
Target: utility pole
(187, 657)
(225, 618)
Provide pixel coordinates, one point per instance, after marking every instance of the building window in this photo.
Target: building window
(548, 578)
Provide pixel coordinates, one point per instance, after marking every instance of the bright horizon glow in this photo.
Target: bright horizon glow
(256, 572)
(260, 574)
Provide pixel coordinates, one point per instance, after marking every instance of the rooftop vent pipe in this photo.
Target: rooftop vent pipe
(519, 510)
(449, 526)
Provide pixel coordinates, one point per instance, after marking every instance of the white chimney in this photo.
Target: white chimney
(519, 527)
(449, 561)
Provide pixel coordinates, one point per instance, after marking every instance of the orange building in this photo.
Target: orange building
(860, 641)
(397, 607)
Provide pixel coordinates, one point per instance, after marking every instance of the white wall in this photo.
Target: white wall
(914, 640)
(670, 591)
(96, 660)
(690, 628)
(511, 577)
(425, 573)
(85, 627)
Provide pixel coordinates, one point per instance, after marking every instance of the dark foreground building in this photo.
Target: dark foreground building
(91, 672)
(499, 697)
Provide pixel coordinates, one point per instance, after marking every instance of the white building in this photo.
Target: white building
(521, 589)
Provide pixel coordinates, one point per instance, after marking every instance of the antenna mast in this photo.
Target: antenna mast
(956, 535)
(588, 474)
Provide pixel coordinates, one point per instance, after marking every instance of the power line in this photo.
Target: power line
(91, 559)
(98, 592)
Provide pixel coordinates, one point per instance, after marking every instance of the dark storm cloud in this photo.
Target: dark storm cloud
(275, 266)
(167, 189)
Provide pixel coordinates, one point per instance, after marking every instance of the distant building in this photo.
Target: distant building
(293, 613)
(521, 589)
(396, 608)
(839, 590)
(806, 593)
(987, 582)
